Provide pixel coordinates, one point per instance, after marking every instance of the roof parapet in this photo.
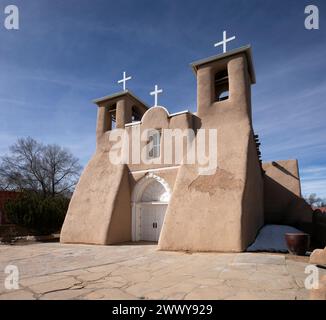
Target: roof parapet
(246, 49)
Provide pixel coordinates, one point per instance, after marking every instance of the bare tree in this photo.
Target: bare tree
(49, 169)
(315, 201)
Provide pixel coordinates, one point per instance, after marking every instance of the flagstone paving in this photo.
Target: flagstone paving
(56, 271)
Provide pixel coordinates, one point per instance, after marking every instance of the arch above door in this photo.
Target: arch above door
(151, 190)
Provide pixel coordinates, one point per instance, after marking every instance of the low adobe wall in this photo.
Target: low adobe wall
(99, 211)
(319, 227)
(282, 196)
(320, 293)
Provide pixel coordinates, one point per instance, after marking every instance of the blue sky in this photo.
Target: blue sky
(68, 52)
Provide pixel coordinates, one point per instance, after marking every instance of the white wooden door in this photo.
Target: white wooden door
(160, 214)
(147, 220)
(151, 221)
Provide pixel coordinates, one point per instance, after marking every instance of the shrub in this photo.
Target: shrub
(43, 215)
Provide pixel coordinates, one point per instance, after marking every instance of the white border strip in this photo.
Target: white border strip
(154, 170)
(169, 115)
(132, 123)
(180, 112)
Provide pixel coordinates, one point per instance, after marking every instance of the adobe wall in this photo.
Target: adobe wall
(282, 195)
(210, 213)
(320, 293)
(217, 212)
(253, 199)
(319, 227)
(159, 118)
(102, 197)
(318, 257)
(99, 211)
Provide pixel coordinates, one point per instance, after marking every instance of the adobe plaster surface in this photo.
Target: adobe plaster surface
(318, 257)
(222, 211)
(140, 271)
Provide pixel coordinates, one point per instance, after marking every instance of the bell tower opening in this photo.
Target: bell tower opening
(227, 76)
(136, 115)
(112, 112)
(221, 85)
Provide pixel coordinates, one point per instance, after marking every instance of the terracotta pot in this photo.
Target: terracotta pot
(298, 243)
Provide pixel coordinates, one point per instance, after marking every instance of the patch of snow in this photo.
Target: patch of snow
(271, 238)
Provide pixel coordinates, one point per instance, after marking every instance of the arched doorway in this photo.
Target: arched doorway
(150, 199)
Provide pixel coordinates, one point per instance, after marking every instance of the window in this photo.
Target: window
(154, 144)
(222, 85)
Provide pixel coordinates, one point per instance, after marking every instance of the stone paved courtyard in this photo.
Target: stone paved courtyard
(55, 271)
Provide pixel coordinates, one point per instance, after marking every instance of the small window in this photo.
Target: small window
(154, 139)
(222, 85)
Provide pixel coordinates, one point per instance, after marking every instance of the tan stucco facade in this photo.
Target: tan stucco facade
(220, 211)
(318, 257)
(320, 293)
(282, 195)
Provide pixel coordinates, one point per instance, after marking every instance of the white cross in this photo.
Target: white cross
(124, 80)
(224, 42)
(155, 93)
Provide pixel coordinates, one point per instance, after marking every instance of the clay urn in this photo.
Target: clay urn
(298, 243)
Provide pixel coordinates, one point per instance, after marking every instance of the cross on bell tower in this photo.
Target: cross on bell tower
(124, 80)
(155, 93)
(224, 41)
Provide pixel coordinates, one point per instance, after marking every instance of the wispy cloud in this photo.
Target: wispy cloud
(313, 179)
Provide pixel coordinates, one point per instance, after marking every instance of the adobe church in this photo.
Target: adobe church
(173, 204)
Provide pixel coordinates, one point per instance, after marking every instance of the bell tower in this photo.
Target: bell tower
(117, 110)
(222, 211)
(224, 83)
